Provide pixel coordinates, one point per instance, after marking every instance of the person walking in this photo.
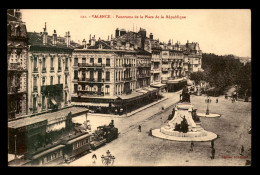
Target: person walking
(191, 146)
(217, 100)
(213, 153)
(139, 128)
(94, 158)
(212, 144)
(242, 150)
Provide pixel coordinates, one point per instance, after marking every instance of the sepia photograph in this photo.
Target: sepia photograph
(129, 87)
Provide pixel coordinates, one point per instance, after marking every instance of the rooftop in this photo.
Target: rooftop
(47, 116)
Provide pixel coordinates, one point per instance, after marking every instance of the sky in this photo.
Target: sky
(218, 31)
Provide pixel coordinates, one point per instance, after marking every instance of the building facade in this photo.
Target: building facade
(49, 71)
(17, 53)
(104, 72)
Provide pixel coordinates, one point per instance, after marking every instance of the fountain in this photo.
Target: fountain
(185, 124)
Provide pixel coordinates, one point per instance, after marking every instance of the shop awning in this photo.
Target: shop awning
(47, 151)
(53, 101)
(90, 104)
(158, 85)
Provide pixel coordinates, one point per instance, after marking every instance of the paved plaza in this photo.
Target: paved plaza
(134, 148)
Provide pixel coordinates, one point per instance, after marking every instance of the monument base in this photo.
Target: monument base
(202, 136)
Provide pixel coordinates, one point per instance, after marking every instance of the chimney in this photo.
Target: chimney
(54, 38)
(84, 44)
(117, 33)
(89, 38)
(151, 36)
(111, 36)
(45, 35)
(108, 37)
(67, 36)
(93, 41)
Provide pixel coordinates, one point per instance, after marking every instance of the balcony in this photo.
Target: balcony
(52, 69)
(85, 80)
(90, 93)
(127, 65)
(14, 66)
(141, 75)
(92, 65)
(35, 70)
(165, 69)
(44, 70)
(127, 79)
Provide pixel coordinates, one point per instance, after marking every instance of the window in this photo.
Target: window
(75, 74)
(66, 77)
(83, 87)
(43, 62)
(91, 74)
(107, 76)
(51, 62)
(66, 64)
(108, 62)
(116, 76)
(51, 80)
(100, 60)
(43, 80)
(107, 89)
(59, 64)
(75, 88)
(91, 60)
(35, 83)
(58, 79)
(75, 61)
(35, 63)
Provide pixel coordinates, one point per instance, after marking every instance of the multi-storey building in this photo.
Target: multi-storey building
(49, 67)
(17, 45)
(109, 74)
(192, 57)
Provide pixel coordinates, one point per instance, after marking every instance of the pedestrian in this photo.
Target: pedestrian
(217, 100)
(162, 109)
(191, 146)
(212, 144)
(242, 150)
(213, 153)
(94, 158)
(150, 132)
(139, 128)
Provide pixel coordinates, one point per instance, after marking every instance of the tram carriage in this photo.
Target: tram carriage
(76, 147)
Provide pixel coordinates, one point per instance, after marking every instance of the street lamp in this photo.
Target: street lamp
(208, 100)
(108, 159)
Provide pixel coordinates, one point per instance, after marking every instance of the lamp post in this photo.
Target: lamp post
(108, 159)
(208, 100)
